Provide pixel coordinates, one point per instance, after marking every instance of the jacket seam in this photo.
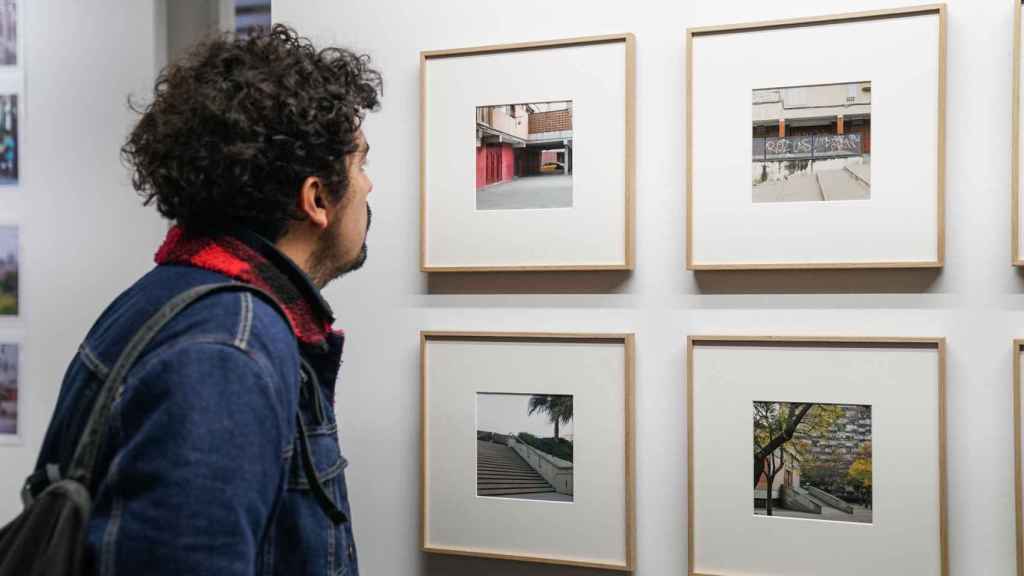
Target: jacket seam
(93, 362)
(110, 537)
(332, 472)
(322, 430)
(244, 322)
(331, 545)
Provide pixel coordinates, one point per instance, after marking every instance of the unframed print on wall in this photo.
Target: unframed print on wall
(8, 33)
(8, 139)
(847, 455)
(11, 394)
(251, 15)
(11, 86)
(9, 271)
(831, 162)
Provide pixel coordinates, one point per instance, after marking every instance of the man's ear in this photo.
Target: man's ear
(313, 201)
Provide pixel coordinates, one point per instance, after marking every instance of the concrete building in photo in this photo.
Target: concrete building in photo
(812, 473)
(517, 140)
(787, 479)
(812, 143)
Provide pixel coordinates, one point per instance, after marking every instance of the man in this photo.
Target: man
(253, 149)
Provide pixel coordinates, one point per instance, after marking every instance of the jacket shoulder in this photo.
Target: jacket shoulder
(241, 318)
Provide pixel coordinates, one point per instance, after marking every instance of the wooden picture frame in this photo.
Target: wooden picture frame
(626, 341)
(1015, 144)
(1018, 457)
(628, 257)
(695, 264)
(829, 342)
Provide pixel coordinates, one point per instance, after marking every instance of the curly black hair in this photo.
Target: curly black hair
(236, 127)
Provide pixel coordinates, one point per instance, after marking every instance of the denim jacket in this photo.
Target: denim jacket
(200, 471)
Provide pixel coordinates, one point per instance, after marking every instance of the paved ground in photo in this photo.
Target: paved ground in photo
(549, 191)
(862, 171)
(860, 514)
(8, 425)
(552, 497)
(851, 183)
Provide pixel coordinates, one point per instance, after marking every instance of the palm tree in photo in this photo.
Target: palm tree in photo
(558, 409)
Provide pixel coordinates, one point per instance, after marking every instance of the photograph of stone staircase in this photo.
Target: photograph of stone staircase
(502, 472)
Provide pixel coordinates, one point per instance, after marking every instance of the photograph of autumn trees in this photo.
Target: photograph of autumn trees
(524, 446)
(812, 461)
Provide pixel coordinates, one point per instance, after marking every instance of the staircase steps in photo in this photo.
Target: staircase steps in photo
(500, 471)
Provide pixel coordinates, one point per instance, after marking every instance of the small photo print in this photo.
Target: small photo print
(8, 33)
(8, 139)
(812, 461)
(251, 16)
(9, 271)
(524, 446)
(9, 383)
(812, 143)
(524, 156)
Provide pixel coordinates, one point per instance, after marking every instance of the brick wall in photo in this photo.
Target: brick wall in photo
(550, 121)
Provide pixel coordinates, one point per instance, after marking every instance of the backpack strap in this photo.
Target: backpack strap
(84, 460)
(327, 504)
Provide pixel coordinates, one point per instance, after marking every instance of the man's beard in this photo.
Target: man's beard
(326, 263)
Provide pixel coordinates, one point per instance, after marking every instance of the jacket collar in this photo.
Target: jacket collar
(245, 256)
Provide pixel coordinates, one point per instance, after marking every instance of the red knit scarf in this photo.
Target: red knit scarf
(237, 260)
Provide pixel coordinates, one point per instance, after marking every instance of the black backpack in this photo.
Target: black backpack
(48, 537)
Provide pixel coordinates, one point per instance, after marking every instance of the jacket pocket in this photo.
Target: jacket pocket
(325, 545)
(327, 459)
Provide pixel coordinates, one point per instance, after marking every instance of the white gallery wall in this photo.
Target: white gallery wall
(976, 300)
(84, 234)
(85, 238)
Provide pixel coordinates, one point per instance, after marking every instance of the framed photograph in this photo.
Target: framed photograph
(527, 156)
(11, 394)
(528, 430)
(833, 180)
(1017, 158)
(846, 441)
(1018, 450)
